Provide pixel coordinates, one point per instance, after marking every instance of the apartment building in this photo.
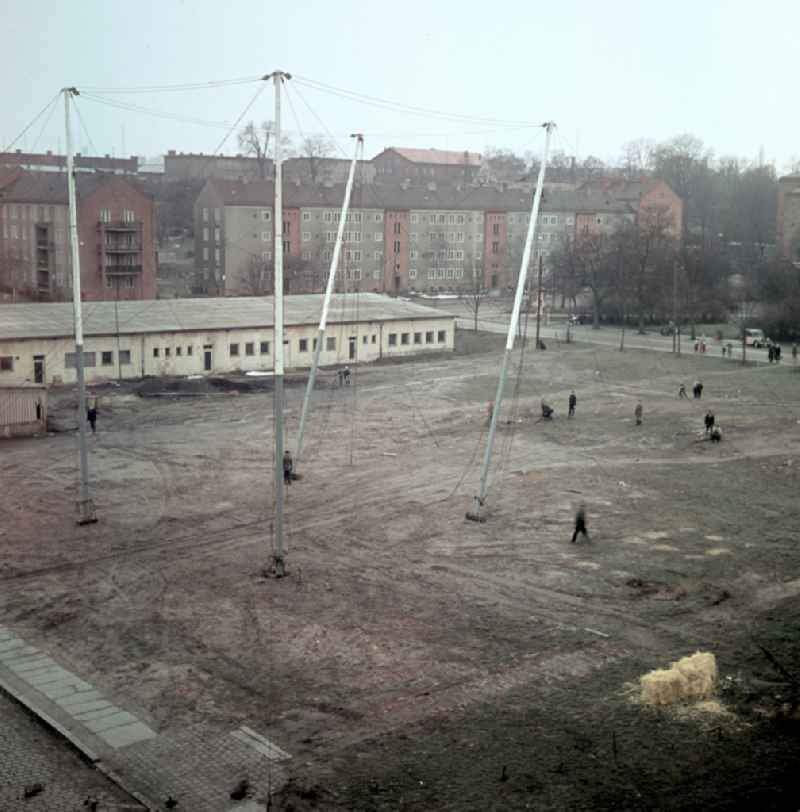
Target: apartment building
(788, 221)
(50, 162)
(398, 237)
(115, 231)
(421, 165)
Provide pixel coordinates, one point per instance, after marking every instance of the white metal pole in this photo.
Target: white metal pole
(280, 563)
(328, 293)
(477, 502)
(86, 513)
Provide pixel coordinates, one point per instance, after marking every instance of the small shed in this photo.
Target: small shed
(23, 410)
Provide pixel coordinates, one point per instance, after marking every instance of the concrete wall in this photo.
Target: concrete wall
(183, 353)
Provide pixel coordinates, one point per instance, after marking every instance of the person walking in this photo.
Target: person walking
(709, 421)
(794, 353)
(637, 412)
(695, 394)
(572, 403)
(777, 353)
(699, 390)
(771, 353)
(682, 392)
(580, 524)
(288, 467)
(91, 416)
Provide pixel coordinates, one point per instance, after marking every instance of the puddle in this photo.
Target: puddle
(718, 551)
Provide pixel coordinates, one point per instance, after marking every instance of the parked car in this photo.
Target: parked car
(667, 329)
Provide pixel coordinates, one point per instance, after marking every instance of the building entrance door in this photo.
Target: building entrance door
(207, 359)
(352, 348)
(38, 369)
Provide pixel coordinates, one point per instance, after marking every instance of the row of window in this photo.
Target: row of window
(405, 338)
(28, 212)
(90, 358)
(218, 218)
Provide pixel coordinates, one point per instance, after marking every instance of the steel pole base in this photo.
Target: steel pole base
(279, 566)
(85, 510)
(474, 514)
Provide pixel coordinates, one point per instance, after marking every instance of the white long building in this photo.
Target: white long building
(210, 336)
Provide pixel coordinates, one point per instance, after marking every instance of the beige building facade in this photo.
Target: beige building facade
(211, 336)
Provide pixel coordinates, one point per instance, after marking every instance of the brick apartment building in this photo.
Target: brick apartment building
(646, 198)
(48, 162)
(788, 221)
(421, 165)
(194, 166)
(115, 230)
(398, 237)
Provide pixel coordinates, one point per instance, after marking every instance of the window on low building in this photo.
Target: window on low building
(429, 337)
(442, 336)
(71, 358)
(374, 338)
(234, 350)
(330, 343)
(124, 356)
(167, 352)
(404, 338)
(265, 348)
(250, 348)
(189, 350)
(418, 338)
(303, 345)
(107, 358)
(178, 350)
(155, 352)
(6, 363)
(392, 339)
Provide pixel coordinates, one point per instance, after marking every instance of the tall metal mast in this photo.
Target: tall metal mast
(478, 500)
(280, 564)
(328, 292)
(86, 514)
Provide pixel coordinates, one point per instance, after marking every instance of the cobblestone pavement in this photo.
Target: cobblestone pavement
(31, 754)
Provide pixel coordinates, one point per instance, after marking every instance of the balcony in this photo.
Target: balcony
(119, 226)
(122, 249)
(123, 270)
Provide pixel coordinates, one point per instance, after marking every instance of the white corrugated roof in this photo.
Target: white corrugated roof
(54, 320)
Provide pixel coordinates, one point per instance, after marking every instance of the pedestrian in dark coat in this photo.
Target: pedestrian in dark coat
(637, 413)
(771, 353)
(682, 392)
(699, 390)
(91, 416)
(580, 524)
(288, 467)
(709, 421)
(573, 402)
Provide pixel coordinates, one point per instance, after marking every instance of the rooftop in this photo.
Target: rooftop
(442, 157)
(397, 196)
(54, 320)
(51, 187)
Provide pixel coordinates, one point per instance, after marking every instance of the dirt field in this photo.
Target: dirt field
(414, 660)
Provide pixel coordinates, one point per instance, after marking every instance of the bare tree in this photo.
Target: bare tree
(315, 148)
(637, 158)
(475, 294)
(13, 278)
(502, 165)
(591, 256)
(258, 141)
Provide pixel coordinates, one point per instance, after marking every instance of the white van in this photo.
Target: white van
(755, 338)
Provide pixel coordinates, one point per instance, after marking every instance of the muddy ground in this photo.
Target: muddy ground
(414, 660)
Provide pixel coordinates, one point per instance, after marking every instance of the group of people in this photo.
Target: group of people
(697, 390)
(774, 353)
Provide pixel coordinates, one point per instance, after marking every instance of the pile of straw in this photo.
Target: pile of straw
(689, 679)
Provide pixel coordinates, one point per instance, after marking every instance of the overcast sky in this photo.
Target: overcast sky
(606, 73)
